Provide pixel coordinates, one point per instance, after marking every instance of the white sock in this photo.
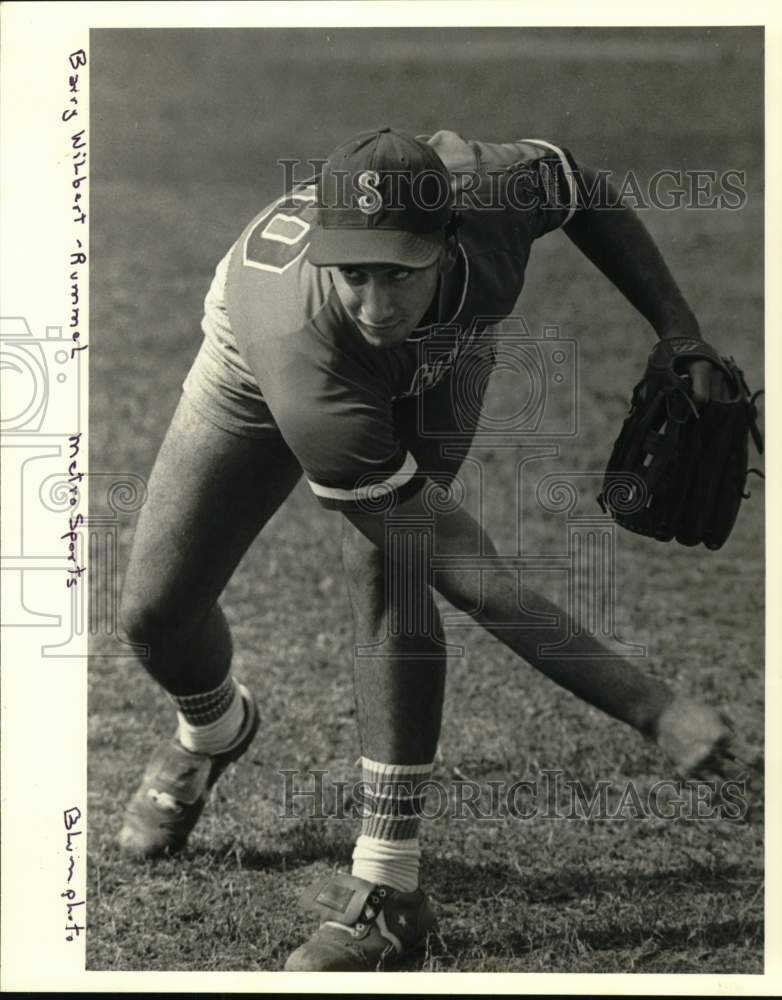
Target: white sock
(387, 862)
(217, 735)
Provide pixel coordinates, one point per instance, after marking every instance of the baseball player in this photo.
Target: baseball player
(320, 327)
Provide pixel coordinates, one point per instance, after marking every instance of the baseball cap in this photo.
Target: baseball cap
(384, 197)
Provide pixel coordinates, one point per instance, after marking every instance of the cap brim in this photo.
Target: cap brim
(331, 247)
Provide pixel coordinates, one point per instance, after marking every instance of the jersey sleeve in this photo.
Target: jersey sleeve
(553, 172)
(343, 434)
(532, 178)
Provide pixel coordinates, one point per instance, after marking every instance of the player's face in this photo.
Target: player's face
(386, 302)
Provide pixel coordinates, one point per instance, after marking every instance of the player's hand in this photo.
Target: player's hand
(708, 382)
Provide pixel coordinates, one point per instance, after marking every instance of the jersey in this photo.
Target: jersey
(333, 395)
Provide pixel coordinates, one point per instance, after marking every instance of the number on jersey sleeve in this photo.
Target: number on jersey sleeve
(279, 237)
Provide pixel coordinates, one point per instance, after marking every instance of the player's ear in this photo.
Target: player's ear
(448, 256)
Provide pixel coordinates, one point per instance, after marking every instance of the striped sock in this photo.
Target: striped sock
(209, 722)
(387, 852)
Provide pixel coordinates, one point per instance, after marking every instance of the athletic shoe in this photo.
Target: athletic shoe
(174, 789)
(366, 926)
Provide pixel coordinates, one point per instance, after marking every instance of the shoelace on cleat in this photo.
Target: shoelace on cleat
(369, 914)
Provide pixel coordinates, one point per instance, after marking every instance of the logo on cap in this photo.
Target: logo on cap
(371, 201)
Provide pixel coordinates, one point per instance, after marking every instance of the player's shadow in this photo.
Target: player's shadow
(304, 844)
(451, 879)
(454, 883)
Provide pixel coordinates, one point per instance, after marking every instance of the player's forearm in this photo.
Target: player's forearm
(619, 244)
(490, 594)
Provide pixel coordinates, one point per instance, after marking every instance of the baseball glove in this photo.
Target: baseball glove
(678, 470)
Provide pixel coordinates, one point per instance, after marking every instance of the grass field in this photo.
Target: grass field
(187, 128)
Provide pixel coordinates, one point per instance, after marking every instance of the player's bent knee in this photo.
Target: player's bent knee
(149, 622)
(137, 623)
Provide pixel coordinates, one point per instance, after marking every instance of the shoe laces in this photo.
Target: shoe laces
(370, 911)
